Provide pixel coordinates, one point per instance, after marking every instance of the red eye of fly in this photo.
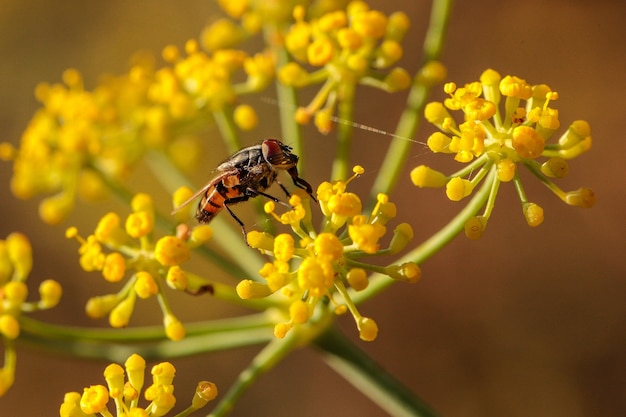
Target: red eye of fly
(272, 152)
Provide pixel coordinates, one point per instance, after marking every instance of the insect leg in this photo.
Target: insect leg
(235, 200)
(254, 193)
(300, 183)
(287, 193)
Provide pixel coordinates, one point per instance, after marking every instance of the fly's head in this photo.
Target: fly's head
(278, 155)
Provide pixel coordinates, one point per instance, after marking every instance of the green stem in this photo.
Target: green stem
(341, 164)
(431, 246)
(400, 146)
(369, 377)
(149, 342)
(272, 354)
(287, 100)
(228, 131)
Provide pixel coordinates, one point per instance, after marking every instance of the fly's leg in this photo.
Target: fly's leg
(287, 193)
(235, 200)
(253, 193)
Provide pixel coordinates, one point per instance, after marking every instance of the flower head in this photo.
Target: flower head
(346, 48)
(16, 261)
(126, 395)
(327, 260)
(126, 249)
(507, 123)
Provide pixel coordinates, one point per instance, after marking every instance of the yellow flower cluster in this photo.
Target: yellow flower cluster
(16, 262)
(507, 123)
(327, 261)
(133, 249)
(82, 142)
(126, 394)
(348, 46)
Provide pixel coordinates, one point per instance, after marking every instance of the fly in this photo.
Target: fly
(244, 175)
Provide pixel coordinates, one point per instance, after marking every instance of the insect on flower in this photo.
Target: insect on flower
(247, 174)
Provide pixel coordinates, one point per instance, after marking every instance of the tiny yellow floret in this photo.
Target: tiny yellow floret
(170, 250)
(94, 399)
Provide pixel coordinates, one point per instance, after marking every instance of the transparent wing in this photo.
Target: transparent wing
(203, 190)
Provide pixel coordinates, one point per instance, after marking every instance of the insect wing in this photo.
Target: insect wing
(203, 190)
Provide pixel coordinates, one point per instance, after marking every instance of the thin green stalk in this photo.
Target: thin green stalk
(369, 377)
(286, 95)
(432, 245)
(149, 342)
(341, 164)
(228, 131)
(399, 149)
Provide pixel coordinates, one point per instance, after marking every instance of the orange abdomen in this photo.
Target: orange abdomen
(213, 201)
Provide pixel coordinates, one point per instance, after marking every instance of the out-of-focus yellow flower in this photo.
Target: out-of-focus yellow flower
(16, 261)
(350, 47)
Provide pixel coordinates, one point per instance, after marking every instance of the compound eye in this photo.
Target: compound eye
(274, 153)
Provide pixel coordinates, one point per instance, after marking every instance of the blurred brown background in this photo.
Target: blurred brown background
(523, 322)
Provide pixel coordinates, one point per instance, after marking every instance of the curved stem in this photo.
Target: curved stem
(369, 377)
(272, 354)
(149, 342)
(428, 248)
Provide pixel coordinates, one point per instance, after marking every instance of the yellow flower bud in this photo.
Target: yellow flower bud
(357, 278)
(283, 247)
(98, 307)
(555, 168)
(170, 251)
(533, 214)
(458, 188)
(176, 278)
(245, 117)
(50, 292)
(114, 376)
(70, 406)
(163, 373)
(94, 399)
(527, 142)
(145, 286)
(139, 224)
(120, 315)
(114, 267)
(135, 367)
(205, 391)
(299, 312)
(423, 176)
(474, 227)
(408, 272)
(54, 210)
(368, 329)
(174, 329)
(320, 52)
(248, 289)
(402, 235)
(505, 169)
(583, 197)
(9, 326)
